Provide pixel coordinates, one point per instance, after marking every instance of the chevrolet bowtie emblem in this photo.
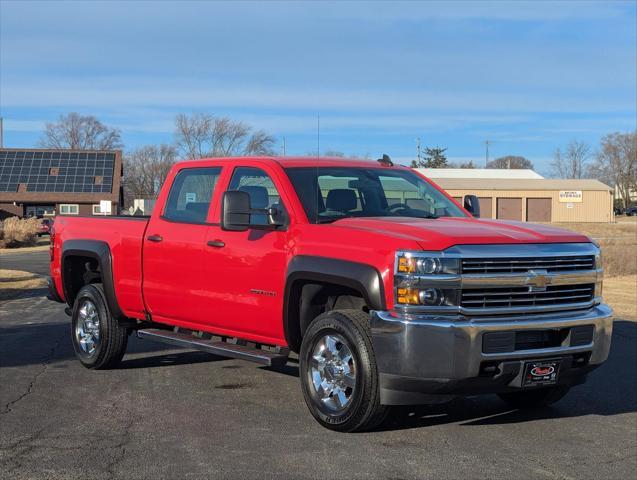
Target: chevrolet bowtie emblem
(537, 280)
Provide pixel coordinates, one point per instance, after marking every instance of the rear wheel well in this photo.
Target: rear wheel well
(309, 299)
(79, 270)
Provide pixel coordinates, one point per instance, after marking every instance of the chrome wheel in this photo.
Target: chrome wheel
(87, 328)
(333, 372)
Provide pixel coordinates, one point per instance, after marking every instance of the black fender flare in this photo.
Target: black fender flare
(101, 252)
(361, 277)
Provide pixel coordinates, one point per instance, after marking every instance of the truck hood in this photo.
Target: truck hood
(445, 232)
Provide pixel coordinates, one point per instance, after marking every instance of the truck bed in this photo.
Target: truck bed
(124, 236)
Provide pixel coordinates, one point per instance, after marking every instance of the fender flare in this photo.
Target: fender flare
(101, 252)
(361, 277)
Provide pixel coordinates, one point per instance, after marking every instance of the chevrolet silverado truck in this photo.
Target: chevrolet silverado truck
(390, 291)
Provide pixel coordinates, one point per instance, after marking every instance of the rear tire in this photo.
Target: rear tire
(98, 339)
(534, 398)
(338, 372)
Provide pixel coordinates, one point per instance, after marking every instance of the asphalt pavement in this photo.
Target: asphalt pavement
(32, 262)
(172, 413)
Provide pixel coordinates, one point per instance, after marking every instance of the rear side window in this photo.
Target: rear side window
(190, 195)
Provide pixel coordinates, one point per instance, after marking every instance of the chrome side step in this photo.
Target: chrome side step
(223, 349)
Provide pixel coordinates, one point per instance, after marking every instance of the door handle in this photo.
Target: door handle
(216, 243)
(154, 238)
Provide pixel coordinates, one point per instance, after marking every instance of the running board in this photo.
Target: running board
(223, 349)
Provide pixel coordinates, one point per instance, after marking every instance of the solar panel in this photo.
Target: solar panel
(67, 172)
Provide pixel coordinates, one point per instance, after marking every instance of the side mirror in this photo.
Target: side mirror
(472, 205)
(235, 211)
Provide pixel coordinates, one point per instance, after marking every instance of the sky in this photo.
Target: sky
(527, 76)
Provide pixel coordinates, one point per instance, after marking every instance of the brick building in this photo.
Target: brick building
(42, 182)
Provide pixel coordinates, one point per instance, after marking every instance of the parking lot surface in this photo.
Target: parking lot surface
(172, 413)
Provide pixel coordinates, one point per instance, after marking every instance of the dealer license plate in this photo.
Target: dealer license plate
(540, 373)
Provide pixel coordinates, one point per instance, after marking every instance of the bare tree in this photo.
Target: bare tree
(572, 162)
(79, 132)
(145, 171)
(202, 135)
(469, 164)
(616, 163)
(333, 153)
(511, 162)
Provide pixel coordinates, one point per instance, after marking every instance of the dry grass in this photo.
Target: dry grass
(15, 282)
(621, 294)
(619, 252)
(623, 228)
(42, 244)
(19, 232)
(617, 240)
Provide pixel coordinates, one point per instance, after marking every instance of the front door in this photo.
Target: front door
(245, 271)
(174, 276)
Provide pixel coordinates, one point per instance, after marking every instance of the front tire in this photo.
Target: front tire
(339, 377)
(534, 398)
(98, 339)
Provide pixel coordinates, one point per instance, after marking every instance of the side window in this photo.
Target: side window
(340, 196)
(258, 184)
(190, 194)
(400, 191)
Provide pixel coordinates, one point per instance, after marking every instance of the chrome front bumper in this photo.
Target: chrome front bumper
(421, 358)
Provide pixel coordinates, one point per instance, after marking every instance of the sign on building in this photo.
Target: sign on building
(571, 196)
(105, 207)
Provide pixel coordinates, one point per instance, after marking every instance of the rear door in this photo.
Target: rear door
(174, 275)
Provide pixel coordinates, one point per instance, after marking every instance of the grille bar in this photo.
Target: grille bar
(512, 265)
(524, 291)
(523, 296)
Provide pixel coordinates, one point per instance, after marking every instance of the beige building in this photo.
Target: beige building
(536, 199)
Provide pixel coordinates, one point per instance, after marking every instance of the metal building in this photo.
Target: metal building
(536, 199)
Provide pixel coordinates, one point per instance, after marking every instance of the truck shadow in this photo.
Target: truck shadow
(610, 390)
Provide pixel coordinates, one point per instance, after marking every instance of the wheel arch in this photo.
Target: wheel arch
(309, 276)
(75, 254)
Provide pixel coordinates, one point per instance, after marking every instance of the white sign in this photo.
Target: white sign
(567, 196)
(105, 207)
(191, 197)
(569, 205)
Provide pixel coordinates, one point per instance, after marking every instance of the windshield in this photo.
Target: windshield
(367, 192)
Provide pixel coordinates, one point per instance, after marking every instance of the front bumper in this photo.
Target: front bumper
(427, 358)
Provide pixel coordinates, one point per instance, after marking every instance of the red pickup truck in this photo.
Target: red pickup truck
(389, 291)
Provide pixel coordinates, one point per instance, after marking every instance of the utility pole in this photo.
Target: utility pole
(418, 150)
(1, 134)
(486, 157)
(284, 146)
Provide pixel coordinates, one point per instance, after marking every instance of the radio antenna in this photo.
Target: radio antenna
(318, 156)
(318, 135)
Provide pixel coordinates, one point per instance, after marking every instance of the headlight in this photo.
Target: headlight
(426, 279)
(410, 262)
(428, 297)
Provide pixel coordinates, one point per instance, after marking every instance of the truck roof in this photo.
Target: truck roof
(290, 162)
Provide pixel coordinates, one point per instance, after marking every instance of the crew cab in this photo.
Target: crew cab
(388, 290)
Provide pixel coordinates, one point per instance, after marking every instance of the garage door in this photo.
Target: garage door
(485, 207)
(510, 209)
(538, 209)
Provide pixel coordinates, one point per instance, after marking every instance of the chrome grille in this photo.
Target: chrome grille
(508, 297)
(517, 265)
